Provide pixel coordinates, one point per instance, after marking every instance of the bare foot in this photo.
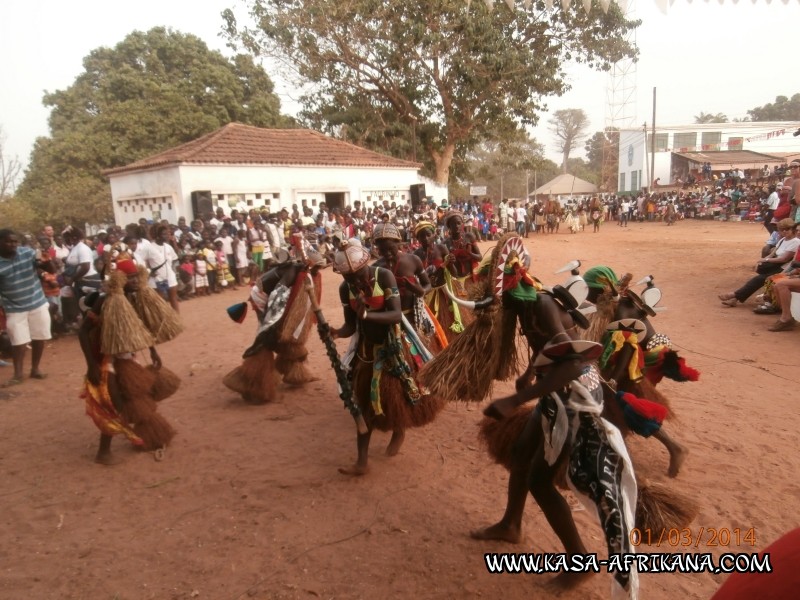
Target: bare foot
(676, 459)
(397, 440)
(107, 458)
(499, 531)
(356, 470)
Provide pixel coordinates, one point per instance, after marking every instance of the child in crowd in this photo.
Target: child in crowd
(201, 287)
(241, 256)
(224, 277)
(186, 276)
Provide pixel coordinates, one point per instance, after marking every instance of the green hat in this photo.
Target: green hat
(601, 278)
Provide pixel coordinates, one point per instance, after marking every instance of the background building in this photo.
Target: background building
(244, 167)
(681, 150)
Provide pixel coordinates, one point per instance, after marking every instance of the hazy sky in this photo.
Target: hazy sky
(701, 56)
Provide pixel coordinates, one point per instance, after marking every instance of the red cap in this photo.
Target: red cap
(127, 266)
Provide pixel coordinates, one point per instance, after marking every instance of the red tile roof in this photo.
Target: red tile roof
(238, 144)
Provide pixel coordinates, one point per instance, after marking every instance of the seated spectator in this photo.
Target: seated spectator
(772, 264)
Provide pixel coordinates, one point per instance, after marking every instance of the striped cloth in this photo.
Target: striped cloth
(20, 288)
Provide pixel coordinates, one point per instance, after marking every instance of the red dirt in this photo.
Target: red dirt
(248, 503)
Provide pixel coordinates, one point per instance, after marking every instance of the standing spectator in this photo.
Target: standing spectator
(771, 204)
(22, 298)
(520, 214)
(241, 256)
(502, 209)
(160, 259)
(624, 207)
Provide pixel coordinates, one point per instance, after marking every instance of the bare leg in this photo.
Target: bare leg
(509, 528)
(172, 295)
(37, 349)
(18, 356)
(677, 453)
(558, 515)
(398, 435)
(104, 456)
(360, 468)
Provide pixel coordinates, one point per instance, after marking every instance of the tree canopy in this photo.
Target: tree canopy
(783, 109)
(705, 117)
(152, 91)
(442, 74)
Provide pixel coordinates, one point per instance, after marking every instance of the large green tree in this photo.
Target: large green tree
(441, 73)
(783, 109)
(152, 91)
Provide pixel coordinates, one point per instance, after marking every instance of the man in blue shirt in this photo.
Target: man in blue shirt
(22, 298)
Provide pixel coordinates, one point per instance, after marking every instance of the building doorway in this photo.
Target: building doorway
(335, 200)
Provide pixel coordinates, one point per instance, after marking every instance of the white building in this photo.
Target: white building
(244, 167)
(682, 149)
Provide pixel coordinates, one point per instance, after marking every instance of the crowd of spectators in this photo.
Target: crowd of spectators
(225, 250)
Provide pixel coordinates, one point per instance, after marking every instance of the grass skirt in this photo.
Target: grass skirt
(255, 379)
(135, 385)
(398, 412)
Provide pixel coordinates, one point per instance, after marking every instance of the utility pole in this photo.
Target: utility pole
(653, 144)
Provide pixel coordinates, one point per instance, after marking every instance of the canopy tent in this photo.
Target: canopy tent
(566, 184)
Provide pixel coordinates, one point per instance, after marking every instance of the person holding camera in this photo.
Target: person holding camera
(22, 298)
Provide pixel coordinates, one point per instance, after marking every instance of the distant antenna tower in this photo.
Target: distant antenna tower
(620, 102)
(621, 88)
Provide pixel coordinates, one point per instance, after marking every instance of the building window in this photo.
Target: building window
(634, 181)
(685, 140)
(662, 142)
(710, 140)
(622, 182)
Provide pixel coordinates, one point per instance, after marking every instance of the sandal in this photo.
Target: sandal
(730, 302)
(724, 297)
(783, 325)
(766, 309)
(12, 382)
(38, 375)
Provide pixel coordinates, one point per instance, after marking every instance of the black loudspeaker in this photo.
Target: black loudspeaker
(417, 193)
(201, 204)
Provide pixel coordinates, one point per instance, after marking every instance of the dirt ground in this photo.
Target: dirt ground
(248, 503)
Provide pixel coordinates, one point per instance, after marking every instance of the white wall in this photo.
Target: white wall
(278, 186)
(761, 139)
(155, 194)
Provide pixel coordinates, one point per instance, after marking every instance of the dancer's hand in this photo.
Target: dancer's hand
(155, 358)
(502, 408)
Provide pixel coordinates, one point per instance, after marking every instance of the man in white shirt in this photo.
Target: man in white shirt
(519, 212)
(624, 207)
(159, 258)
(772, 203)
